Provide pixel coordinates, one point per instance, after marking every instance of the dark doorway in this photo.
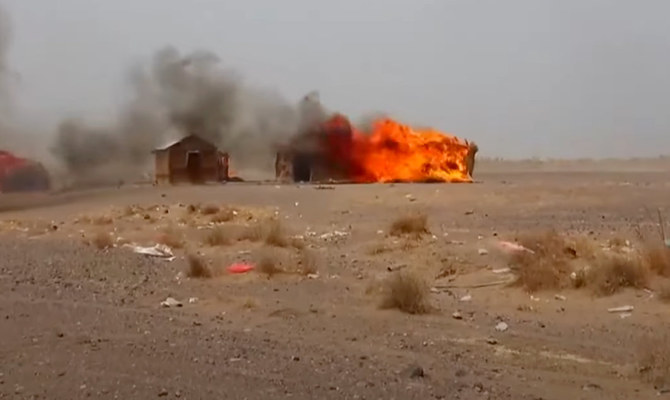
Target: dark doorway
(302, 168)
(194, 166)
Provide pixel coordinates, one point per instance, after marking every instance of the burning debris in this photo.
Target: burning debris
(333, 149)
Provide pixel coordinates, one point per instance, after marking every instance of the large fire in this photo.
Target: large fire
(394, 152)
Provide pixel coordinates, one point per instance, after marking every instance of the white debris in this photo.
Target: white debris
(171, 302)
(482, 252)
(622, 309)
(312, 276)
(334, 235)
(380, 232)
(158, 250)
(511, 247)
(560, 297)
(502, 326)
(192, 300)
(501, 270)
(457, 315)
(467, 297)
(625, 315)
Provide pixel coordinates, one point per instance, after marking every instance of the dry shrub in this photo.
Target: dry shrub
(209, 209)
(275, 235)
(102, 220)
(219, 236)
(191, 208)
(614, 272)
(224, 215)
(416, 225)
(663, 291)
(103, 240)
(253, 233)
(250, 304)
(657, 258)
(654, 359)
(197, 267)
(269, 263)
(171, 237)
(406, 292)
(378, 248)
(308, 263)
(547, 267)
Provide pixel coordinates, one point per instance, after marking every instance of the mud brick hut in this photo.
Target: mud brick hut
(190, 160)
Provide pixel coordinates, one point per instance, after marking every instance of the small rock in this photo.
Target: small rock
(625, 315)
(482, 252)
(163, 393)
(501, 270)
(295, 358)
(465, 298)
(312, 276)
(491, 341)
(456, 315)
(192, 300)
(591, 386)
(171, 302)
(502, 326)
(469, 212)
(417, 372)
(560, 297)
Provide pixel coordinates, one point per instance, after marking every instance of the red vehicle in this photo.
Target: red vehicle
(21, 175)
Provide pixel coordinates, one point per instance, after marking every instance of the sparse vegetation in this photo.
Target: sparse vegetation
(197, 267)
(103, 240)
(663, 291)
(268, 262)
(250, 303)
(308, 263)
(224, 215)
(219, 236)
(275, 235)
(209, 209)
(657, 258)
(406, 292)
(415, 225)
(614, 272)
(171, 237)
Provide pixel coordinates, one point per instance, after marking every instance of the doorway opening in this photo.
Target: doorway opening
(194, 166)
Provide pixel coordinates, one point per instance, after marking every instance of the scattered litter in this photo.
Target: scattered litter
(458, 242)
(501, 270)
(324, 187)
(560, 297)
(511, 247)
(482, 252)
(622, 309)
(467, 297)
(313, 276)
(480, 237)
(334, 235)
(192, 300)
(502, 326)
(625, 315)
(533, 298)
(469, 212)
(240, 268)
(157, 250)
(396, 267)
(457, 315)
(380, 232)
(171, 302)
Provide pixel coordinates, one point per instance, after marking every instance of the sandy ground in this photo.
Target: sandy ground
(82, 322)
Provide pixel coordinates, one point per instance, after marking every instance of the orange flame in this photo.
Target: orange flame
(394, 152)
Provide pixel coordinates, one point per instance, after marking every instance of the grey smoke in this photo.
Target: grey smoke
(178, 95)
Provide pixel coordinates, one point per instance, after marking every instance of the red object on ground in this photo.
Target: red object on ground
(240, 268)
(20, 174)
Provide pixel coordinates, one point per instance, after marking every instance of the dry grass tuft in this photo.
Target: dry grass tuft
(614, 272)
(197, 267)
(308, 263)
(191, 208)
(224, 215)
(654, 359)
(275, 235)
(209, 209)
(219, 236)
(172, 238)
(268, 263)
(102, 220)
(406, 292)
(378, 248)
(657, 258)
(551, 261)
(103, 240)
(253, 233)
(416, 225)
(250, 304)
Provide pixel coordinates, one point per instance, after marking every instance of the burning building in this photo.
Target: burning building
(22, 175)
(334, 150)
(190, 159)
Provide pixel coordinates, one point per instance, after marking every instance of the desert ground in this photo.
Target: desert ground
(381, 291)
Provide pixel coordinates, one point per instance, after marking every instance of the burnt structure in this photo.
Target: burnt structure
(190, 160)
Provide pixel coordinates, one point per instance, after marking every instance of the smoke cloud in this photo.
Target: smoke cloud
(176, 95)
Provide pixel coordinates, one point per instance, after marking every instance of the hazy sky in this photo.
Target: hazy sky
(520, 77)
